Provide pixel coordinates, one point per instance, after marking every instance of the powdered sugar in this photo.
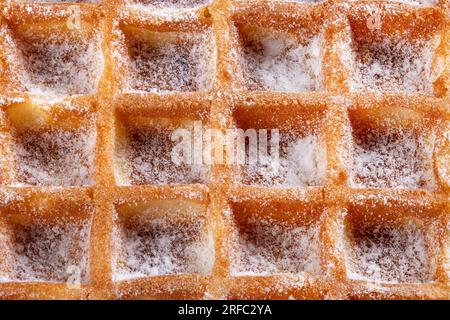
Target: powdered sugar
(59, 66)
(55, 158)
(47, 252)
(447, 251)
(168, 6)
(307, 1)
(171, 62)
(266, 247)
(151, 246)
(68, 1)
(391, 254)
(394, 159)
(302, 163)
(392, 65)
(276, 61)
(144, 156)
(418, 2)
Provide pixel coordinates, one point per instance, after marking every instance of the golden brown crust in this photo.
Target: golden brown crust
(225, 204)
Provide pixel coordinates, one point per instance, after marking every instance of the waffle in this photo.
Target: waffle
(91, 207)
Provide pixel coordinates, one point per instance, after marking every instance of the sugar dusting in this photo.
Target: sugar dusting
(145, 157)
(447, 251)
(55, 158)
(168, 6)
(276, 61)
(151, 247)
(67, 1)
(48, 253)
(302, 163)
(174, 62)
(266, 247)
(392, 65)
(307, 1)
(390, 254)
(395, 159)
(159, 247)
(418, 2)
(59, 66)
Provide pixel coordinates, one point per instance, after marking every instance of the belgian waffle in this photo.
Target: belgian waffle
(92, 208)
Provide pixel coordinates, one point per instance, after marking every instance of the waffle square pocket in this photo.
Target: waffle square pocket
(48, 145)
(392, 147)
(284, 147)
(283, 57)
(388, 51)
(45, 238)
(145, 150)
(161, 59)
(162, 237)
(278, 245)
(54, 54)
(271, 241)
(394, 243)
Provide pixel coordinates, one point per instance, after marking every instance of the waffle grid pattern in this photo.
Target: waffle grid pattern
(110, 198)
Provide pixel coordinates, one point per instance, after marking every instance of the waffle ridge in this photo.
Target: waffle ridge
(91, 207)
